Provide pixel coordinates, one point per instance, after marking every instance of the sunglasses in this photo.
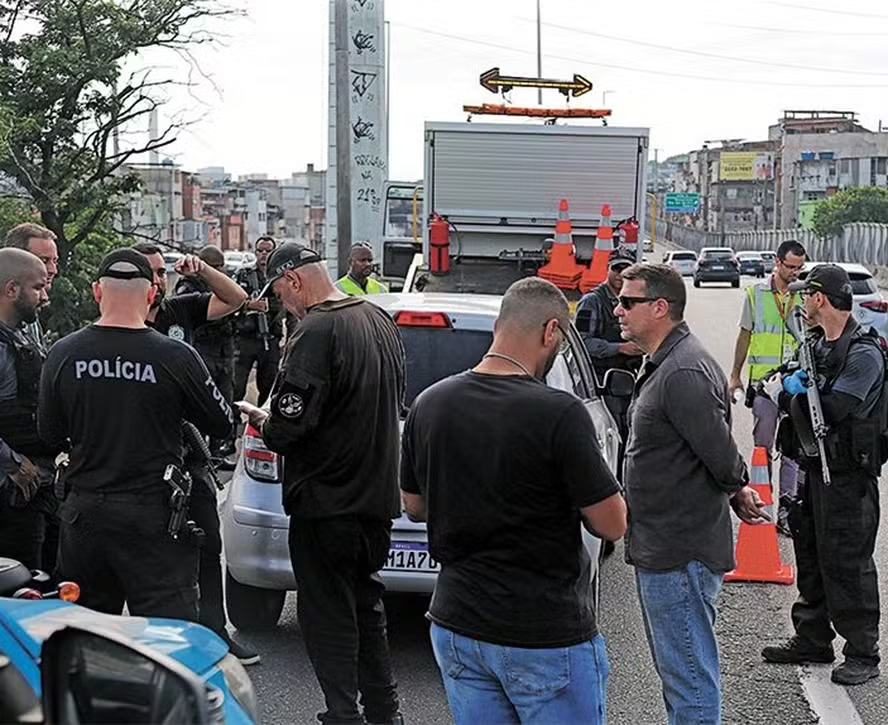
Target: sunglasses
(564, 345)
(627, 303)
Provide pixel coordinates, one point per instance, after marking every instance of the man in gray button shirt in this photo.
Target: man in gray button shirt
(682, 472)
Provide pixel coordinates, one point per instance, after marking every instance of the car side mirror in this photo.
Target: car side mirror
(101, 677)
(619, 383)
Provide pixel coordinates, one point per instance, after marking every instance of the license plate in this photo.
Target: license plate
(410, 556)
(718, 267)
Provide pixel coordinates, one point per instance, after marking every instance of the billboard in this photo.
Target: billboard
(746, 166)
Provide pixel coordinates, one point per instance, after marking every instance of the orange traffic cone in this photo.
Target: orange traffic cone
(758, 557)
(562, 269)
(604, 245)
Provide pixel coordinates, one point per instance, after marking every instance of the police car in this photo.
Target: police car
(443, 334)
(63, 663)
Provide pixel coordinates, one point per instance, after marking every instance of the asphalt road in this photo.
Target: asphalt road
(750, 616)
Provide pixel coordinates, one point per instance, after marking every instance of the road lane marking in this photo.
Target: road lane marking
(829, 701)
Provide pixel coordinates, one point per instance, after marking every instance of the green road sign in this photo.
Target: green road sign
(682, 202)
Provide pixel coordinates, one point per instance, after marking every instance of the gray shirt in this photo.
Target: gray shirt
(681, 462)
(8, 391)
(860, 377)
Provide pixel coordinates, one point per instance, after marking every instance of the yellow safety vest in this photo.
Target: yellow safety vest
(770, 344)
(350, 287)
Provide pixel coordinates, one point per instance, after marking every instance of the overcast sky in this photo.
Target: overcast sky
(690, 70)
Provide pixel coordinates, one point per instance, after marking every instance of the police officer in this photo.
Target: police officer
(117, 392)
(358, 280)
(255, 349)
(834, 527)
(600, 327)
(765, 343)
(214, 340)
(335, 411)
(27, 463)
(179, 317)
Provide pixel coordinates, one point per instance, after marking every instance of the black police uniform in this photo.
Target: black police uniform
(24, 524)
(252, 349)
(120, 395)
(335, 411)
(179, 317)
(215, 342)
(834, 527)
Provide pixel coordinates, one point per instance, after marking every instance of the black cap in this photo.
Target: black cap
(830, 279)
(291, 255)
(620, 258)
(125, 263)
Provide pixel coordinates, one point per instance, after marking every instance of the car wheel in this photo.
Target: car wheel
(735, 283)
(252, 608)
(696, 282)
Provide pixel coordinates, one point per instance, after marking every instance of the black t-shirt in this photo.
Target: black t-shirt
(504, 463)
(179, 316)
(335, 413)
(120, 396)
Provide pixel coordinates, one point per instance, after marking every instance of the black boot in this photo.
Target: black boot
(854, 672)
(798, 651)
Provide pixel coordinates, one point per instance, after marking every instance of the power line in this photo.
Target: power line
(800, 31)
(647, 71)
(822, 10)
(705, 54)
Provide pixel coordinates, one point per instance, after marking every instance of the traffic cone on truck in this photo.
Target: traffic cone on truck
(604, 245)
(562, 269)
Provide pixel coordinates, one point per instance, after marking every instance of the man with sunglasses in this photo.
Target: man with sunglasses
(836, 523)
(683, 474)
(765, 343)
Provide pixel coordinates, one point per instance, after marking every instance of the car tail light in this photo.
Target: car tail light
(408, 318)
(875, 305)
(261, 463)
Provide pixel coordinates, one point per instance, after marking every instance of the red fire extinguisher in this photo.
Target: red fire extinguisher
(629, 231)
(439, 245)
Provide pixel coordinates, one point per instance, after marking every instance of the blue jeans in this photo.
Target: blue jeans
(489, 683)
(678, 607)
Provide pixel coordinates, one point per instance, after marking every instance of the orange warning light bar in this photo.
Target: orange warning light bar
(493, 109)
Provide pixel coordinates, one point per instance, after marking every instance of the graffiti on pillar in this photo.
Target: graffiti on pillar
(361, 130)
(359, 5)
(361, 83)
(364, 42)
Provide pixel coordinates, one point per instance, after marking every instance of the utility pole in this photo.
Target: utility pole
(343, 138)
(539, 54)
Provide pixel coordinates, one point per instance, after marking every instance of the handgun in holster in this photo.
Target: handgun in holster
(180, 498)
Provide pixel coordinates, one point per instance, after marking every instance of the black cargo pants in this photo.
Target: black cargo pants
(341, 614)
(205, 513)
(834, 535)
(251, 351)
(116, 546)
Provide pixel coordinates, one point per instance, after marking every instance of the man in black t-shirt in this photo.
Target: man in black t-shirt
(335, 410)
(178, 317)
(117, 392)
(506, 470)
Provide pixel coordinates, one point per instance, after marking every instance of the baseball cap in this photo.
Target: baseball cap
(125, 263)
(619, 258)
(830, 279)
(290, 255)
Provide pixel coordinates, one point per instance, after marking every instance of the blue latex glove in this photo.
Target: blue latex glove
(797, 383)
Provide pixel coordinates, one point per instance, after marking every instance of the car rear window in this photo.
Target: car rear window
(718, 254)
(749, 255)
(436, 353)
(684, 256)
(862, 284)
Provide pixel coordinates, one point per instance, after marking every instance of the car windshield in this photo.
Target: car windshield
(435, 353)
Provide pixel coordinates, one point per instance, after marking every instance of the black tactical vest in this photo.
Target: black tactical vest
(18, 417)
(610, 331)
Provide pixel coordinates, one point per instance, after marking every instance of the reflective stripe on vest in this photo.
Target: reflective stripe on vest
(350, 287)
(769, 338)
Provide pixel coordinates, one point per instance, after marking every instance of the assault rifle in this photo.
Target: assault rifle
(797, 326)
(252, 278)
(198, 444)
(179, 499)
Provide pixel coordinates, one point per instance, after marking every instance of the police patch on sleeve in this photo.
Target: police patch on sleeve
(290, 405)
(176, 332)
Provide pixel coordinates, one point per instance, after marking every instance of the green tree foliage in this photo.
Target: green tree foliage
(857, 204)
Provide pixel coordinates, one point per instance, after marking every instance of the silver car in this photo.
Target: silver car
(869, 308)
(681, 261)
(443, 334)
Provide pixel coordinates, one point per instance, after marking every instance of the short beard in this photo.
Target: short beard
(26, 313)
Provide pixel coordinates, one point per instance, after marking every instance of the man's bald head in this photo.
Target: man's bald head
(19, 266)
(529, 304)
(213, 256)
